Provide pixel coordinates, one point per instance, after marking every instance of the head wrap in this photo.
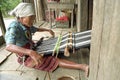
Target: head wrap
(23, 10)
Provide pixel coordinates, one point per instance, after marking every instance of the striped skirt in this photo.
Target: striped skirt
(48, 63)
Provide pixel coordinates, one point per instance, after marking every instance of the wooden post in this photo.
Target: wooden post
(40, 12)
(36, 12)
(82, 15)
(105, 45)
(38, 9)
(78, 17)
(2, 26)
(90, 12)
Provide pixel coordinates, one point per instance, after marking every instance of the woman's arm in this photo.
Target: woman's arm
(33, 54)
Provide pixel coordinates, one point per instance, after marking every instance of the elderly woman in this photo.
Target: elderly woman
(19, 41)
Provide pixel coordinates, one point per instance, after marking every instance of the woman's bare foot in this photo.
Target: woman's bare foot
(87, 71)
(85, 68)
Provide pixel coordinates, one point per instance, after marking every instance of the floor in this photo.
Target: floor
(11, 70)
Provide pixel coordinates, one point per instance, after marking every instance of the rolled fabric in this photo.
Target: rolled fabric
(23, 10)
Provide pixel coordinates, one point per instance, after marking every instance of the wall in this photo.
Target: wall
(105, 45)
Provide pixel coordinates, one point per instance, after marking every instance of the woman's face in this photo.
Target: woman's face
(28, 21)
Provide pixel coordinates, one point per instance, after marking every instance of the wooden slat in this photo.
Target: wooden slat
(60, 5)
(10, 64)
(98, 17)
(4, 55)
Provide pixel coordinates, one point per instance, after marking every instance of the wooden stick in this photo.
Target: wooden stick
(45, 75)
(49, 76)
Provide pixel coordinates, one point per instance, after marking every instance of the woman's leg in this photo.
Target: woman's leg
(69, 64)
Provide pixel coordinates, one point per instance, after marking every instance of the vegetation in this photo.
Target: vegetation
(8, 5)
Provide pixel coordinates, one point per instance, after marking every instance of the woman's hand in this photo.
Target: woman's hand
(51, 32)
(35, 56)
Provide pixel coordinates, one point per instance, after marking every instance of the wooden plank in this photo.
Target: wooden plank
(4, 55)
(15, 75)
(98, 17)
(104, 60)
(60, 6)
(105, 42)
(109, 51)
(10, 64)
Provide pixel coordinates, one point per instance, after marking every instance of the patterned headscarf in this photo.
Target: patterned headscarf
(23, 10)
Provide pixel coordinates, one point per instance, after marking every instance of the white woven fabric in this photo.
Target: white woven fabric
(23, 10)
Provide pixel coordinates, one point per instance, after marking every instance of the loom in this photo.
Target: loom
(70, 41)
